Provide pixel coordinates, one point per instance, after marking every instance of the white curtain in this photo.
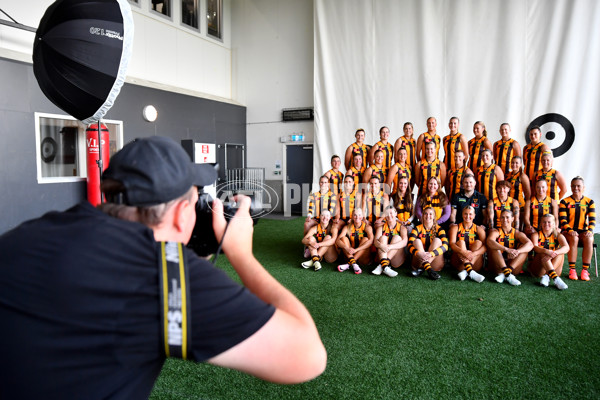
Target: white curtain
(385, 62)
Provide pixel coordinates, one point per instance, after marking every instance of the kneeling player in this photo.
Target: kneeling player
(390, 241)
(320, 241)
(507, 249)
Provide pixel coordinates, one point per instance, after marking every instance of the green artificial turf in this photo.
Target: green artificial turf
(419, 339)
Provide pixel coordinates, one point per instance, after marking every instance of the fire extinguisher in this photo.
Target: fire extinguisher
(93, 156)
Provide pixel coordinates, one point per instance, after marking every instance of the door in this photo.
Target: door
(299, 171)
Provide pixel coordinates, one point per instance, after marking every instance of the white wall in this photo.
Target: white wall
(272, 65)
(165, 54)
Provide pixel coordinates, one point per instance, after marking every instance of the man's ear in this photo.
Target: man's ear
(179, 215)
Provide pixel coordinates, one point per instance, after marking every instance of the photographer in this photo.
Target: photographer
(80, 299)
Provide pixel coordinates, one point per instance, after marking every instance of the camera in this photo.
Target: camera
(203, 241)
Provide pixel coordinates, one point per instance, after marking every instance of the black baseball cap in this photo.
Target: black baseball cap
(155, 170)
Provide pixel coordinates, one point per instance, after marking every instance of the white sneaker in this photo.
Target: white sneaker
(377, 270)
(560, 285)
(545, 281)
(500, 278)
(307, 264)
(356, 269)
(390, 272)
(317, 265)
(513, 280)
(462, 274)
(343, 267)
(477, 277)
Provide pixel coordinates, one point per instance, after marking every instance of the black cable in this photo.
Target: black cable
(13, 20)
(214, 260)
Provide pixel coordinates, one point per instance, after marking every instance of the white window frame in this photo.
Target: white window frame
(81, 147)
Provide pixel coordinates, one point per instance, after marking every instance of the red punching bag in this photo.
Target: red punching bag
(93, 155)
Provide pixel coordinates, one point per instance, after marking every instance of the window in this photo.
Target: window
(214, 17)
(189, 13)
(162, 7)
(61, 147)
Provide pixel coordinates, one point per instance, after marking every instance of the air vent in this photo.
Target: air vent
(298, 114)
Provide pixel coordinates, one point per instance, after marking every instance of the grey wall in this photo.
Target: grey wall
(180, 117)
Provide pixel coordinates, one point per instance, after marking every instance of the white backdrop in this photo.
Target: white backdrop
(385, 62)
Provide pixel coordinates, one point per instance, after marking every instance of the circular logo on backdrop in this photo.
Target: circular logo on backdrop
(557, 132)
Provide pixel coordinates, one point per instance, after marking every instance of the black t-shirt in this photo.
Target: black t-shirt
(477, 200)
(79, 305)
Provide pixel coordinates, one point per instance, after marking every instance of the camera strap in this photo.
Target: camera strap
(174, 300)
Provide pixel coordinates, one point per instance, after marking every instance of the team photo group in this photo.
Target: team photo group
(497, 209)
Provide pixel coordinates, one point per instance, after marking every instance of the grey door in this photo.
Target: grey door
(299, 165)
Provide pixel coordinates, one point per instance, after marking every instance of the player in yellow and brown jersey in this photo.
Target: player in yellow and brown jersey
(408, 141)
(539, 205)
(434, 197)
(577, 215)
(430, 136)
(356, 170)
(355, 242)
(404, 204)
(507, 250)
(520, 187)
(505, 149)
(358, 147)
(454, 176)
(476, 145)
(374, 202)
(385, 146)
(467, 242)
(428, 167)
(427, 244)
(349, 198)
(390, 241)
(376, 169)
(502, 202)
(324, 199)
(399, 169)
(549, 246)
(488, 174)
(532, 152)
(557, 186)
(453, 142)
(334, 175)
(320, 241)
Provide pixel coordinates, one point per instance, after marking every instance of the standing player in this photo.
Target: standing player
(390, 241)
(409, 142)
(428, 167)
(355, 242)
(557, 186)
(488, 174)
(550, 246)
(505, 149)
(358, 147)
(320, 241)
(430, 136)
(476, 145)
(453, 142)
(532, 153)
(334, 175)
(467, 242)
(507, 250)
(399, 169)
(385, 146)
(427, 244)
(577, 215)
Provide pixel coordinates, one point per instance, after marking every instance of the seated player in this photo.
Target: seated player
(427, 244)
(349, 198)
(355, 242)
(550, 248)
(507, 249)
(374, 202)
(320, 241)
(390, 241)
(467, 242)
(468, 196)
(334, 175)
(502, 202)
(577, 215)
